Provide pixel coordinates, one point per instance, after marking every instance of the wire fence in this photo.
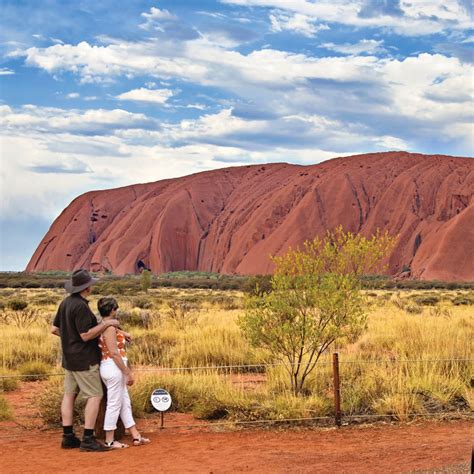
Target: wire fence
(252, 366)
(332, 368)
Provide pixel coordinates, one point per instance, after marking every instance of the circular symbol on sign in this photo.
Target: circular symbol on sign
(160, 399)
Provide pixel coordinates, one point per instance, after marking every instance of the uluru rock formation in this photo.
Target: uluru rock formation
(230, 220)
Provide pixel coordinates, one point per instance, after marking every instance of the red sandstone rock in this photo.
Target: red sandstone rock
(231, 220)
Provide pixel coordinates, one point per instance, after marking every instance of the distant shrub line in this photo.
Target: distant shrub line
(131, 284)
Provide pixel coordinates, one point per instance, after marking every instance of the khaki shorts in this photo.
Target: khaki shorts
(86, 381)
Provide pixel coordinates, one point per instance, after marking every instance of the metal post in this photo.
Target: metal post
(162, 420)
(337, 388)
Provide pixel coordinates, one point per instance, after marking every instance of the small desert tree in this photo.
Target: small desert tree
(315, 299)
(145, 280)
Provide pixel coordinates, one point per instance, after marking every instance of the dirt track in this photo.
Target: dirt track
(405, 448)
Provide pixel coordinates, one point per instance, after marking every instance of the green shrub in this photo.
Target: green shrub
(8, 384)
(49, 403)
(47, 300)
(36, 370)
(413, 308)
(142, 302)
(5, 411)
(427, 300)
(18, 304)
(138, 318)
(462, 300)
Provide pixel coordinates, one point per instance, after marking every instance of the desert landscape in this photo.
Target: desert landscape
(406, 384)
(237, 236)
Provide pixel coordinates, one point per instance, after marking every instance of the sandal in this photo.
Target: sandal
(115, 445)
(139, 441)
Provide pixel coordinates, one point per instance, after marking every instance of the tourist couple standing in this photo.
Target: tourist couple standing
(92, 351)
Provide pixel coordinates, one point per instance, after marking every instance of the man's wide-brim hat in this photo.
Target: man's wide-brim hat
(80, 280)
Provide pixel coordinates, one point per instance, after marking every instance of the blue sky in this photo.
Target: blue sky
(100, 94)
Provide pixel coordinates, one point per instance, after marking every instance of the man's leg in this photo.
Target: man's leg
(91, 411)
(67, 408)
(91, 386)
(69, 441)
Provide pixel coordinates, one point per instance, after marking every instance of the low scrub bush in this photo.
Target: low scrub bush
(182, 314)
(142, 302)
(139, 318)
(427, 300)
(462, 300)
(47, 300)
(21, 319)
(49, 403)
(35, 370)
(211, 397)
(413, 308)
(17, 304)
(8, 384)
(5, 410)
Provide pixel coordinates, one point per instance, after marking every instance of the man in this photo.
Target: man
(79, 330)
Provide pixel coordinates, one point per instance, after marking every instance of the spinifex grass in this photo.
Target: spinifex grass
(404, 363)
(34, 344)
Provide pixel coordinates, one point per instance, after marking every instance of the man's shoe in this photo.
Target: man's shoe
(70, 441)
(89, 443)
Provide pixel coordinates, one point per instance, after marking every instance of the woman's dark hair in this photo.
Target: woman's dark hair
(106, 305)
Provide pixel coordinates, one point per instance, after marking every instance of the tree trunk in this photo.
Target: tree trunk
(99, 424)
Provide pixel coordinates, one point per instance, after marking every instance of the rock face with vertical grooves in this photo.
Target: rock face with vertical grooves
(230, 220)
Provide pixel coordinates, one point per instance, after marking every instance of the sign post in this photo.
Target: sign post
(161, 401)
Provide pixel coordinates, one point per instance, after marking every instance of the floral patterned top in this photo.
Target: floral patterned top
(120, 344)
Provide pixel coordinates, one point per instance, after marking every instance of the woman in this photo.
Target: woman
(116, 375)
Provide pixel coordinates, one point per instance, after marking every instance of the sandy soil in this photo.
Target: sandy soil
(419, 447)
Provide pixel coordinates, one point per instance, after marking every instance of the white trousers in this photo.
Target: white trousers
(118, 401)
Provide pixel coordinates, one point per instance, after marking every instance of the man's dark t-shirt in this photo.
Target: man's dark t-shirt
(73, 318)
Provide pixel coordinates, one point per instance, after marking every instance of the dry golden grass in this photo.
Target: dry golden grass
(408, 361)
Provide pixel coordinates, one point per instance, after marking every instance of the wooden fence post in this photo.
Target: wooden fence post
(337, 388)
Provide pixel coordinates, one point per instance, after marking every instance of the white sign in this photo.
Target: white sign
(160, 399)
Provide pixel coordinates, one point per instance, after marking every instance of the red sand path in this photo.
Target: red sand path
(26, 447)
(402, 448)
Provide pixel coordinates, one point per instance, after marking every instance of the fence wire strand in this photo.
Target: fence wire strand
(252, 366)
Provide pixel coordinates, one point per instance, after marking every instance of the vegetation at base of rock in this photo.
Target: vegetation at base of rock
(130, 284)
(438, 341)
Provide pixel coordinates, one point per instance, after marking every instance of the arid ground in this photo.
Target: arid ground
(428, 446)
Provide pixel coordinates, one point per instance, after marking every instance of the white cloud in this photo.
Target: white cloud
(96, 63)
(155, 15)
(420, 17)
(378, 90)
(363, 46)
(129, 155)
(298, 23)
(54, 120)
(73, 95)
(6, 72)
(157, 96)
